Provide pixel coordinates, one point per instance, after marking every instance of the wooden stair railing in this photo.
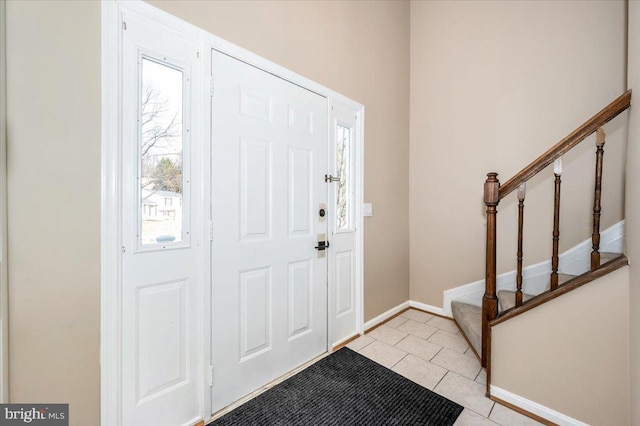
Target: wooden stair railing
(494, 192)
(597, 194)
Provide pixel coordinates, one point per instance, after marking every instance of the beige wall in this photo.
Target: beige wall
(4, 302)
(572, 353)
(360, 49)
(633, 207)
(53, 99)
(485, 76)
(493, 85)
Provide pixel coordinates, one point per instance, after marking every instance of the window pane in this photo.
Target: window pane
(161, 146)
(343, 169)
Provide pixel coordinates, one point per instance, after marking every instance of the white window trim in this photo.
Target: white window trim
(111, 221)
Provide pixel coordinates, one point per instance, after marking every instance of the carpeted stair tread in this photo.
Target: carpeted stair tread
(507, 298)
(563, 278)
(606, 257)
(469, 318)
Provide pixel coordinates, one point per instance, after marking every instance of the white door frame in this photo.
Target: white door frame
(111, 187)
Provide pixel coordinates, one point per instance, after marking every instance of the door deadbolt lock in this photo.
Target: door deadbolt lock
(322, 212)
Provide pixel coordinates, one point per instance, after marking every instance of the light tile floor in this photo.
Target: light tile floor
(430, 351)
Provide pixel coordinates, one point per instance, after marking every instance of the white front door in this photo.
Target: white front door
(269, 292)
(162, 351)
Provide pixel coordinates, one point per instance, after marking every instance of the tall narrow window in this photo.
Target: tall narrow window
(161, 147)
(343, 170)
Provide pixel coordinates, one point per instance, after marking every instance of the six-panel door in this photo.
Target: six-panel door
(269, 289)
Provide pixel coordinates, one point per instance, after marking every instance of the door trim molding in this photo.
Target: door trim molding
(111, 223)
(360, 219)
(111, 184)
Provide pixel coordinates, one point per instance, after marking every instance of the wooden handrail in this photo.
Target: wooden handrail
(570, 285)
(607, 114)
(494, 192)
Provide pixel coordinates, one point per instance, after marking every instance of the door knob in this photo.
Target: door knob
(322, 245)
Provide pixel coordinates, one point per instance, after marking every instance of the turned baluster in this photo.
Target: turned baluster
(557, 170)
(522, 190)
(490, 300)
(595, 236)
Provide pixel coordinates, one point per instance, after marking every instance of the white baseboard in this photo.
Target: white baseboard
(574, 261)
(385, 316)
(429, 308)
(535, 408)
(577, 260)
(396, 310)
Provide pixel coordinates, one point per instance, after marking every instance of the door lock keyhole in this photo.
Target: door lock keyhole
(322, 213)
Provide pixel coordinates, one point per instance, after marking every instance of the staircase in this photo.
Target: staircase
(476, 321)
(469, 317)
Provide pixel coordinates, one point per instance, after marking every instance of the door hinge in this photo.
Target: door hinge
(124, 25)
(210, 231)
(211, 86)
(210, 375)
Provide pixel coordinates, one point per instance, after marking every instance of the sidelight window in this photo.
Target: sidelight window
(161, 146)
(344, 171)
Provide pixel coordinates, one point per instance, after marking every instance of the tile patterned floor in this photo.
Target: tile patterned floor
(430, 351)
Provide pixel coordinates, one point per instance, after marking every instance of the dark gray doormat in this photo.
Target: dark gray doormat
(345, 388)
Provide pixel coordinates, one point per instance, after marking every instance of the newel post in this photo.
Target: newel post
(490, 300)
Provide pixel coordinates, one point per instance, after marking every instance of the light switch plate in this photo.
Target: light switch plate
(367, 209)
